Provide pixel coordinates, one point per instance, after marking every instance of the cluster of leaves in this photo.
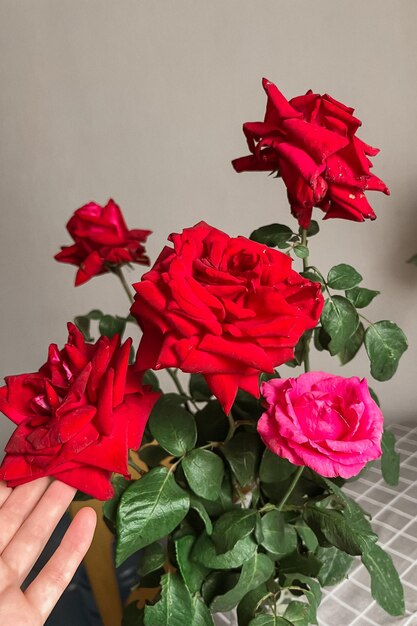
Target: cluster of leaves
(207, 514)
(108, 325)
(282, 237)
(343, 329)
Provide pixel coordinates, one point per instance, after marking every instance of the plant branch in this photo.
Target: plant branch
(306, 359)
(119, 273)
(291, 488)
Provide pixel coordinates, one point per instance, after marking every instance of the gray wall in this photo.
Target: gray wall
(143, 101)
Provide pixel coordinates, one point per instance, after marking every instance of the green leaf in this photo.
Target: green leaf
(361, 297)
(204, 472)
(231, 527)
(133, 616)
(343, 276)
(385, 343)
(95, 314)
(269, 620)
(172, 426)
(349, 530)
(150, 378)
(246, 406)
(310, 588)
(335, 565)
(274, 468)
(386, 587)
(110, 325)
(250, 602)
(151, 559)
(242, 453)
(312, 229)
(217, 583)
(413, 259)
(82, 322)
(390, 460)
(298, 613)
(279, 537)
(225, 500)
(255, 571)
(321, 339)
(301, 251)
(212, 424)
(306, 535)
(176, 606)
(152, 455)
(202, 512)
(335, 527)
(199, 389)
(205, 553)
(149, 509)
(272, 234)
(297, 564)
(192, 573)
(340, 320)
(374, 396)
(351, 347)
(120, 484)
(352, 511)
(301, 349)
(312, 273)
(201, 613)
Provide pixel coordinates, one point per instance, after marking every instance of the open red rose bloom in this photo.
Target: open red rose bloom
(76, 417)
(102, 239)
(311, 142)
(229, 308)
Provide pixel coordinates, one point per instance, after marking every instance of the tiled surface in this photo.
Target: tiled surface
(394, 513)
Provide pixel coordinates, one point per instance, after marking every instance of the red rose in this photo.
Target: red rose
(102, 240)
(310, 141)
(229, 308)
(76, 417)
(328, 423)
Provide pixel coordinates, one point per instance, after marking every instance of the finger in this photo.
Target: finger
(18, 506)
(29, 541)
(5, 492)
(45, 591)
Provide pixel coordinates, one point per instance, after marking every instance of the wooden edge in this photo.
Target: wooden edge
(99, 564)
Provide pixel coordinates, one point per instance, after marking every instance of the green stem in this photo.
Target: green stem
(132, 463)
(232, 427)
(366, 319)
(304, 242)
(177, 381)
(291, 488)
(119, 273)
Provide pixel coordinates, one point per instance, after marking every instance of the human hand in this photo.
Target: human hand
(28, 516)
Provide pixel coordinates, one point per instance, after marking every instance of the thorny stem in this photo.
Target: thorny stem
(291, 488)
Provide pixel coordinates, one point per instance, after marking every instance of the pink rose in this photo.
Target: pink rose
(328, 423)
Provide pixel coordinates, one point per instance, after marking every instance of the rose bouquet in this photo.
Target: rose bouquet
(236, 499)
